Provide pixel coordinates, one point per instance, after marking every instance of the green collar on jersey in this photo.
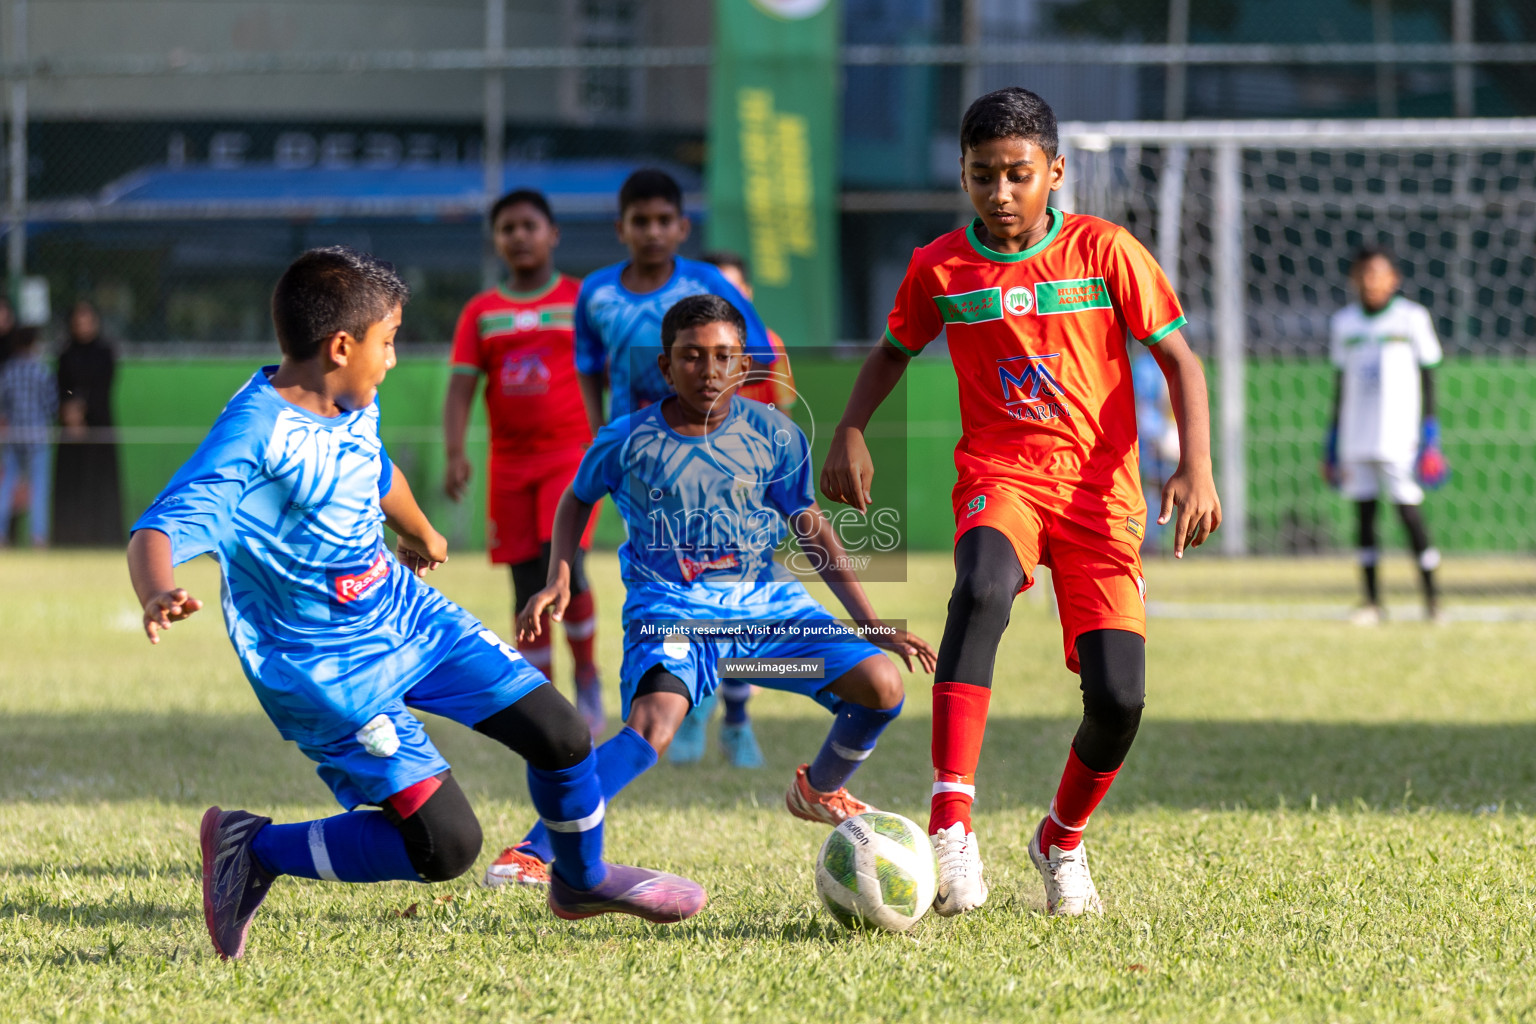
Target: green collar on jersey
(537, 293)
(973, 236)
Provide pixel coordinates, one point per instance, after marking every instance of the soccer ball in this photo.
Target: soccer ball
(877, 870)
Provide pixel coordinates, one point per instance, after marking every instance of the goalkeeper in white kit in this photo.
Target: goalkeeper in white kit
(1383, 439)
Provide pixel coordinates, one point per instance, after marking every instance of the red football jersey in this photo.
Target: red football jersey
(524, 343)
(1038, 342)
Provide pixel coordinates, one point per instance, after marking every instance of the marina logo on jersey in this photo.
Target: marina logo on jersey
(976, 307)
(1018, 301)
(1030, 390)
(1072, 296)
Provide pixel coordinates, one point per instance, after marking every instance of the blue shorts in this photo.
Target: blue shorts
(697, 662)
(479, 677)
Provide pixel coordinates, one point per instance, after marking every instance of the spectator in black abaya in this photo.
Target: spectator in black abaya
(87, 498)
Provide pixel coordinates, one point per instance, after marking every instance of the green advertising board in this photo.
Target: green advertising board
(772, 174)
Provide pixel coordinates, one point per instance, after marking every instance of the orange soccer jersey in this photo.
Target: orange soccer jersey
(1038, 341)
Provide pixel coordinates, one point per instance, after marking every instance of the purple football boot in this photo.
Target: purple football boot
(653, 895)
(234, 884)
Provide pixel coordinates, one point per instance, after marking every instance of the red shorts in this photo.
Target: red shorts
(1096, 573)
(523, 493)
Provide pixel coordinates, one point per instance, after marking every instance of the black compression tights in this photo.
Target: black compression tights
(1112, 661)
(987, 579)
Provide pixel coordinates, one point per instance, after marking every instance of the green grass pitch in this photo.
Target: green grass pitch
(1317, 823)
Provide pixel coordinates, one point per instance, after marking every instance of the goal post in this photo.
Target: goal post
(1256, 223)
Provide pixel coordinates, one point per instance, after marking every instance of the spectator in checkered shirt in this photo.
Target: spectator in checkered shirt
(29, 403)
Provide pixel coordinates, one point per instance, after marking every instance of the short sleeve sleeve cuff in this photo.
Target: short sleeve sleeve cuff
(1163, 332)
(903, 346)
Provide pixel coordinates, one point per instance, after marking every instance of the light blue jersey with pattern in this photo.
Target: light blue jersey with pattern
(701, 509)
(619, 331)
(329, 626)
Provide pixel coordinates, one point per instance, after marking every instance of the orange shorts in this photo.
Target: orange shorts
(522, 496)
(1096, 574)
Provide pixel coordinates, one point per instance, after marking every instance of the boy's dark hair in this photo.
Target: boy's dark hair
(530, 196)
(727, 258)
(700, 311)
(1366, 253)
(649, 183)
(1011, 113)
(332, 289)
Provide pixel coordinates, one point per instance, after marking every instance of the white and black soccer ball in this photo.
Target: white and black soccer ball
(876, 870)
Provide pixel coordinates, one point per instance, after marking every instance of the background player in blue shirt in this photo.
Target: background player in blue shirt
(705, 482)
(618, 337)
(290, 493)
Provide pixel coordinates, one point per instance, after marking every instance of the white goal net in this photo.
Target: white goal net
(1257, 222)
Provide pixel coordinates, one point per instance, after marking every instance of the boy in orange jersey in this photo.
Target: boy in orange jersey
(520, 336)
(1037, 306)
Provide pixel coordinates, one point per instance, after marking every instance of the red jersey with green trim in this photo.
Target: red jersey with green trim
(524, 343)
(1038, 341)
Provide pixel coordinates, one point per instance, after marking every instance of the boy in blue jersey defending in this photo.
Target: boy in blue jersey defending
(290, 493)
(706, 482)
(618, 337)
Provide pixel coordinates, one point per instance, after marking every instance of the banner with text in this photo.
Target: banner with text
(772, 173)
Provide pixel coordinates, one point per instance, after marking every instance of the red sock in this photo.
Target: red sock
(959, 723)
(537, 651)
(1080, 791)
(581, 629)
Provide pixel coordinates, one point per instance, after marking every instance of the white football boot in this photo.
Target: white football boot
(1069, 889)
(961, 886)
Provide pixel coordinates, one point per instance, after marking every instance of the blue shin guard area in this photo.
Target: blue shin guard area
(620, 761)
(854, 733)
(361, 846)
(570, 805)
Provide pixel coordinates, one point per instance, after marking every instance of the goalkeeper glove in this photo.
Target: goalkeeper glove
(1431, 469)
(1331, 457)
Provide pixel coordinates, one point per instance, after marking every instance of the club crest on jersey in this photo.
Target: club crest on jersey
(1018, 301)
(1030, 390)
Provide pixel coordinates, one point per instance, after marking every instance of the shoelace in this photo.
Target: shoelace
(1071, 873)
(953, 851)
(526, 862)
(846, 803)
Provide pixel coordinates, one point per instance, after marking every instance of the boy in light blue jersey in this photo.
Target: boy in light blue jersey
(290, 493)
(707, 483)
(620, 307)
(618, 338)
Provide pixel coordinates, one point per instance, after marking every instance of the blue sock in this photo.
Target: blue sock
(854, 733)
(570, 804)
(622, 759)
(358, 847)
(735, 695)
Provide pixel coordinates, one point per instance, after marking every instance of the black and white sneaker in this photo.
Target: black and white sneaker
(234, 884)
